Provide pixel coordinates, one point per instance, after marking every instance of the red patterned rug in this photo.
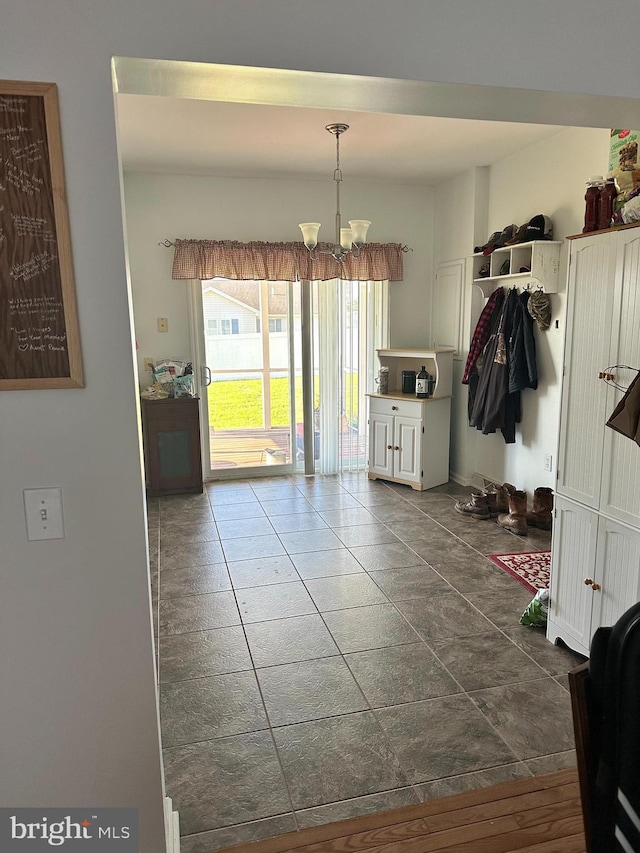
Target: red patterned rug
(530, 568)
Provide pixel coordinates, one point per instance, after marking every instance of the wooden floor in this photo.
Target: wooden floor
(533, 815)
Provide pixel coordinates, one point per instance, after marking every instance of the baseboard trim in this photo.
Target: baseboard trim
(460, 480)
(171, 826)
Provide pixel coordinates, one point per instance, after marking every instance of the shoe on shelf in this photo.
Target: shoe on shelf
(541, 513)
(476, 506)
(516, 519)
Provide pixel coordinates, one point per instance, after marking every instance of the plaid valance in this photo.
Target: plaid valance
(205, 259)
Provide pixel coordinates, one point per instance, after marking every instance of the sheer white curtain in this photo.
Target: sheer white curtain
(352, 322)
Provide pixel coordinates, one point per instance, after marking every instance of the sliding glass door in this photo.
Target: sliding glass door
(284, 368)
(246, 334)
(350, 323)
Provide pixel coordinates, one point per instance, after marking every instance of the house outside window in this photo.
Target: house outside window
(223, 327)
(276, 325)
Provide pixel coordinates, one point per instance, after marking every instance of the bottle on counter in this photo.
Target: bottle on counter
(592, 203)
(422, 383)
(608, 196)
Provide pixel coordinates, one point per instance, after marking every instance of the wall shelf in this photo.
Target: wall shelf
(539, 261)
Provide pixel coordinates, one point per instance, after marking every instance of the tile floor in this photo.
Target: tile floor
(333, 646)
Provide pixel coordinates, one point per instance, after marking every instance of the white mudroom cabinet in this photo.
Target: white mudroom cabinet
(409, 437)
(595, 564)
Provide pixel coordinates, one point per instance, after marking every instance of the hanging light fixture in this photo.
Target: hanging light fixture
(348, 240)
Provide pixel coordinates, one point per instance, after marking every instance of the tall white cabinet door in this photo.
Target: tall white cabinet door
(408, 432)
(381, 445)
(573, 552)
(448, 305)
(620, 497)
(584, 400)
(617, 572)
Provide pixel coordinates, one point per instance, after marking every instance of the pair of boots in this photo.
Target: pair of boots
(487, 503)
(509, 506)
(518, 518)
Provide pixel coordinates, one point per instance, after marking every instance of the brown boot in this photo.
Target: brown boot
(502, 496)
(492, 501)
(476, 506)
(541, 512)
(516, 520)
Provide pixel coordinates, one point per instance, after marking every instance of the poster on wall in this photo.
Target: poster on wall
(39, 338)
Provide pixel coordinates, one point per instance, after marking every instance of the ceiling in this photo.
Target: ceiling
(202, 137)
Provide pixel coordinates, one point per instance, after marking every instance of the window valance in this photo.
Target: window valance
(205, 259)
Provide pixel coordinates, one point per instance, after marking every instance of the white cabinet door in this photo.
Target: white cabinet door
(448, 305)
(617, 574)
(573, 559)
(587, 349)
(381, 444)
(408, 456)
(620, 495)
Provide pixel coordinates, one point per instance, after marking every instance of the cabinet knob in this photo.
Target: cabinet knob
(396, 447)
(394, 408)
(389, 446)
(588, 581)
(595, 587)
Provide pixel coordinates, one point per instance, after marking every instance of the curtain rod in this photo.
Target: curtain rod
(168, 244)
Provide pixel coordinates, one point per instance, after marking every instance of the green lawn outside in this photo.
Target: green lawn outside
(237, 403)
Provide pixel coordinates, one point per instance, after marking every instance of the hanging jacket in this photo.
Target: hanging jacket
(523, 371)
(483, 330)
(493, 407)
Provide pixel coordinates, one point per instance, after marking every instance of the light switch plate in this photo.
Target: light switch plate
(43, 512)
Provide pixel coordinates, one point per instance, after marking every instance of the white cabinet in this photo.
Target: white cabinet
(395, 448)
(595, 575)
(409, 437)
(596, 534)
(534, 265)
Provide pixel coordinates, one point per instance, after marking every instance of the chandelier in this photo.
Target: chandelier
(347, 240)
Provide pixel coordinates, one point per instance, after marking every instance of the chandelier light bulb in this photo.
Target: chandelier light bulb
(346, 238)
(310, 234)
(359, 228)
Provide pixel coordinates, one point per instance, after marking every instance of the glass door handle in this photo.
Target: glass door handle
(206, 375)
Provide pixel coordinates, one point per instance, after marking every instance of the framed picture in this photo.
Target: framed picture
(39, 338)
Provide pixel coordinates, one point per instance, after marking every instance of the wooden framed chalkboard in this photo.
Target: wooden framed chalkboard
(39, 339)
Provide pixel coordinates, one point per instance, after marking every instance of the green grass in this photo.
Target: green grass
(237, 404)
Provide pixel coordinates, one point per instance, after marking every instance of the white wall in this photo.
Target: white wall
(78, 720)
(549, 178)
(184, 206)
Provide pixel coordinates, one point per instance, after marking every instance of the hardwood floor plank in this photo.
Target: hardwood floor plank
(513, 810)
(504, 806)
(502, 835)
(565, 844)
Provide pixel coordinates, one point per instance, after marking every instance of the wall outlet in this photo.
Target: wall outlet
(163, 324)
(148, 365)
(548, 462)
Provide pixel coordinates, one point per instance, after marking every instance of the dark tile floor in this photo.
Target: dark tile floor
(333, 646)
